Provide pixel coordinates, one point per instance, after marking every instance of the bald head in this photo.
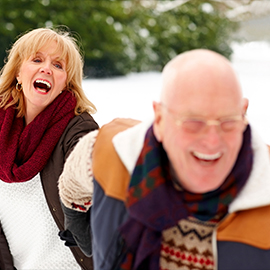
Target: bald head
(191, 71)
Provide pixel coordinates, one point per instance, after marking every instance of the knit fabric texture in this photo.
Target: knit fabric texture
(154, 204)
(30, 229)
(24, 151)
(76, 180)
(188, 246)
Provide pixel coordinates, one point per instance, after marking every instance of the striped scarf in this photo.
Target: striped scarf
(154, 204)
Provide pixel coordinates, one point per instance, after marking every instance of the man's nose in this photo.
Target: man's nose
(212, 134)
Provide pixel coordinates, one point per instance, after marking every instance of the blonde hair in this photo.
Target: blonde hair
(29, 44)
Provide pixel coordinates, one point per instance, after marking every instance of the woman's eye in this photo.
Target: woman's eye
(37, 60)
(58, 65)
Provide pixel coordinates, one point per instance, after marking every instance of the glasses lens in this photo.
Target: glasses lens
(229, 124)
(192, 125)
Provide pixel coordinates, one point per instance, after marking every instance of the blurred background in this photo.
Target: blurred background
(126, 44)
(119, 37)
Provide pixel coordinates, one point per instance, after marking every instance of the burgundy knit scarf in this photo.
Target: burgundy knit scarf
(25, 150)
(154, 204)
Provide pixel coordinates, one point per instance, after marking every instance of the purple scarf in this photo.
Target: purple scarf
(154, 204)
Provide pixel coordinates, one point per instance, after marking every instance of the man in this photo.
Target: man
(188, 191)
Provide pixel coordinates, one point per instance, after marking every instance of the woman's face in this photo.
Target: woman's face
(43, 76)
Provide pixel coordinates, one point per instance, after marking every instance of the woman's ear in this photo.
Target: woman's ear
(18, 77)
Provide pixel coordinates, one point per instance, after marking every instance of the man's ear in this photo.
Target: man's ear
(158, 121)
(245, 105)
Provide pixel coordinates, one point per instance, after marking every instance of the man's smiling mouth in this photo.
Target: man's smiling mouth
(207, 157)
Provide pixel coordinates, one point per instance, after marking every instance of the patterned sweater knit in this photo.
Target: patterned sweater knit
(188, 246)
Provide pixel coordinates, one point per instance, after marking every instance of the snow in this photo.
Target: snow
(131, 96)
(252, 64)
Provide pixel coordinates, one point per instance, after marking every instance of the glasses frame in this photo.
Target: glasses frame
(179, 120)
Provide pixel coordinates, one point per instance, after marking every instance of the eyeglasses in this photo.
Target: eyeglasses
(196, 125)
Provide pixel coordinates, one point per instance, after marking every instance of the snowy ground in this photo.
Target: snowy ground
(132, 95)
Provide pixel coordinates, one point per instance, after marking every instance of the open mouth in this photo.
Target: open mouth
(42, 86)
(207, 157)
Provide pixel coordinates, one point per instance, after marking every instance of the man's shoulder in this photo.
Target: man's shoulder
(249, 226)
(108, 168)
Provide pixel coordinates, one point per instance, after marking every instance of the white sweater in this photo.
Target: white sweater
(30, 229)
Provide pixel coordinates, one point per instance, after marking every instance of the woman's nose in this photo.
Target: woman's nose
(46, 68)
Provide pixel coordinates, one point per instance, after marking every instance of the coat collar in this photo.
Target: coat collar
(257, 189)
(255, 193)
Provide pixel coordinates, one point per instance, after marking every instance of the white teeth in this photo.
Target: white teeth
(206, 156)
(41, 90)
(44, 82)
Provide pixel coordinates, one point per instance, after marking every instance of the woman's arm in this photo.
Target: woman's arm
(76, 189)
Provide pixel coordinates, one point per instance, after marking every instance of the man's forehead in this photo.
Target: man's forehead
(200, 80)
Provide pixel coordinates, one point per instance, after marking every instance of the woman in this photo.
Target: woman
(43, 114)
